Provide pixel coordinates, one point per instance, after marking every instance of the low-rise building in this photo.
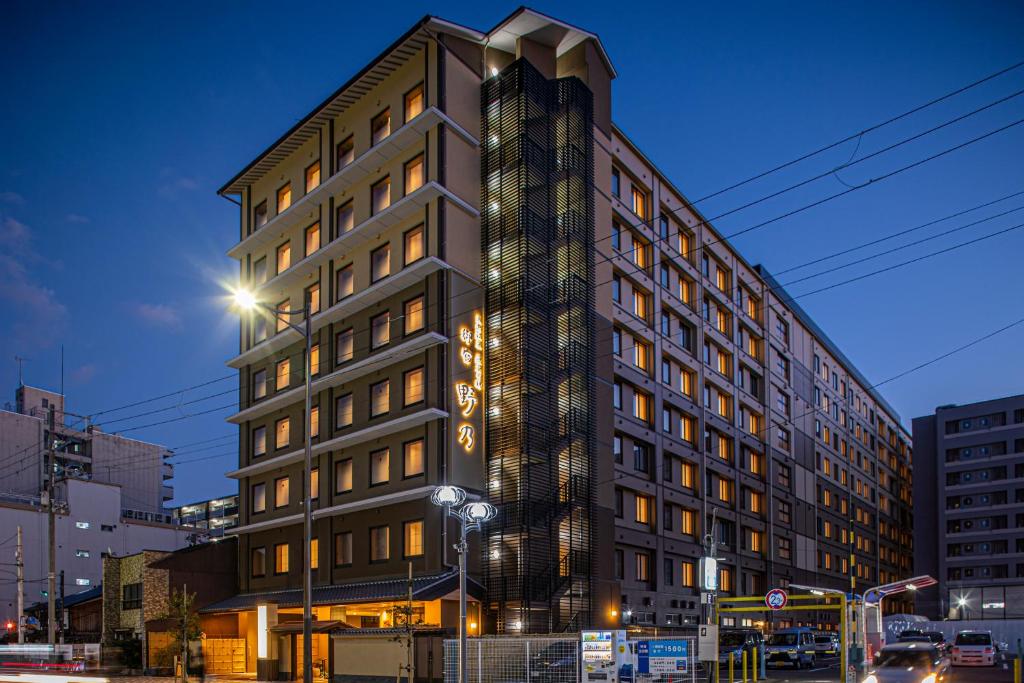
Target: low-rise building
(90, 523)
(211, 518)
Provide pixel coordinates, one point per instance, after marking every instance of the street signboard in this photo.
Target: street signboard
(776, 598)
(662, 656)
(708, 567)
(707, 642)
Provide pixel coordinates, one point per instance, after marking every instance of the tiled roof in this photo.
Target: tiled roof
(426, 587)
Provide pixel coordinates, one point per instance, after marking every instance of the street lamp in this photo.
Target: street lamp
(247, 301)
(471, 516)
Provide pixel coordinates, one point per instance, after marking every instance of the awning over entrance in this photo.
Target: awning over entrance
(426, 587)
(318, 626)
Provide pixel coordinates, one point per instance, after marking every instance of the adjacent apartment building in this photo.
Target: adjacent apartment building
(210, 518)
(969, 507)
(509, 296)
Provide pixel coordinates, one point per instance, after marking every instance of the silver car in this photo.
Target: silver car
(909, 663)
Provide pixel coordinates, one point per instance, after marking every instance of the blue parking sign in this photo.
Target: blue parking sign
(662, 656)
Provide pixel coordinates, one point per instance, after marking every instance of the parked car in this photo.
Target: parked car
(909, 662)
(791, 646)
(826, 644)
(974, 648)
(738, 641)
(556, 662)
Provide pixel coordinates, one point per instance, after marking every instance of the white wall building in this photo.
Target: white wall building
(87, 452)
(91, 522)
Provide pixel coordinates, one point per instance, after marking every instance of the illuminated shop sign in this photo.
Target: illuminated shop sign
(469, 395)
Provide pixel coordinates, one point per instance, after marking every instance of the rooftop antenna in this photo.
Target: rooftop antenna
(21, 369)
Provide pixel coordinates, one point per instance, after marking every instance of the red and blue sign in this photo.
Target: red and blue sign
(776, 598)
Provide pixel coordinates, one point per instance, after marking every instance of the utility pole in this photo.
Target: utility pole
(51, 617)
(61, 617)
(20, 560)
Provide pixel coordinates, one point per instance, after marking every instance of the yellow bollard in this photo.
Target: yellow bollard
(1016, 670)
(754, 671)
(718, 672)
(732, 678)
(743, 666)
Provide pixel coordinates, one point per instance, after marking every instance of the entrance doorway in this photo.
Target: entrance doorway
(321, 656)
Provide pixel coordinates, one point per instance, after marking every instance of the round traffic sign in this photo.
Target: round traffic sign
(776, 598)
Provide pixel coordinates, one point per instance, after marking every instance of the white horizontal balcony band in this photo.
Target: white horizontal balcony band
(418, 493)
(267, 524)
(386, 356)
(304, 272)
(304, 211)
(377, 431)
(374, 293)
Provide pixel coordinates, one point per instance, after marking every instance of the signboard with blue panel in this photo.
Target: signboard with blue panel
(662, 656)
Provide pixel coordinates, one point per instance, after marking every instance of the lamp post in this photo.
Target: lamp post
(246, 300)
(471, 517)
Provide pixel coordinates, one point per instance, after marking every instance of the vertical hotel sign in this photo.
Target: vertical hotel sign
(469, 393)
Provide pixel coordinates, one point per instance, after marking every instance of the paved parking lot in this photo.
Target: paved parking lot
(828, 672)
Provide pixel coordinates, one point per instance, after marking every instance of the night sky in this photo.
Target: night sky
(120, 120)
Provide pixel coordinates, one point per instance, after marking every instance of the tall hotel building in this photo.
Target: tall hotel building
(509, 296)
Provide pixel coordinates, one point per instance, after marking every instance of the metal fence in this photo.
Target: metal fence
(556, 659)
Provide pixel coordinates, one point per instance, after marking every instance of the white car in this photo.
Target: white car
(974, 648)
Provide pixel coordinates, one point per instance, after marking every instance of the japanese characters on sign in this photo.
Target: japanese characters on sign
(469, 395)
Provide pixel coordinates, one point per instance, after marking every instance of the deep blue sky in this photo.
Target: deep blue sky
(120, 120)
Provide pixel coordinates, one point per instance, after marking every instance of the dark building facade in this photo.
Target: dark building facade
(968, 497)
(509, 296)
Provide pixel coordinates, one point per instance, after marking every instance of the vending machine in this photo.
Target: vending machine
(603, 654)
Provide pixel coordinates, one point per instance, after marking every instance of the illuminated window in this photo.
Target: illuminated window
(413, 241)
(380, 466)
(346, 217)
(343, 476)
(685, 291)
(343, 548)
(722, 278)
(313, 176)
(284, 257)
(640, 254)
(380, 195)
(380, 330)
(641, 355)
(282, 433)
(281, 492)
(688, 522)
(312, 238)
(414, 102)
(724, 362)
(259, 441)
(724, 579)
(686, 428)
(688, 475)
(724, 447)
(639, 202)
(413, 385)
(379, 544)
(687, 574)
(314, 553)
(757, 541)
(754, 423)
(412, 458)
(641, 304)
(281, 558)
(283, 374)
(756, 463)
(643, 509)
(643, 566)
(722, 321)
(725, 489)
(413, 174)
(412, 316)
(284, 197)
(314, 422)
(753, 308)
(313, 297)
(756, 502)
(314, 482)
(344, 343)
(412, 533)
(380, 398)
(282, 318)
(314, 359)
(642, 406)
(259, 497)
(724, 405)
(684, 244)
(380, 262)
(345, 153)
(686, 382)
(380, 126)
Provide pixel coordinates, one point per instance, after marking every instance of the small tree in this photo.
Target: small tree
(184, 622)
